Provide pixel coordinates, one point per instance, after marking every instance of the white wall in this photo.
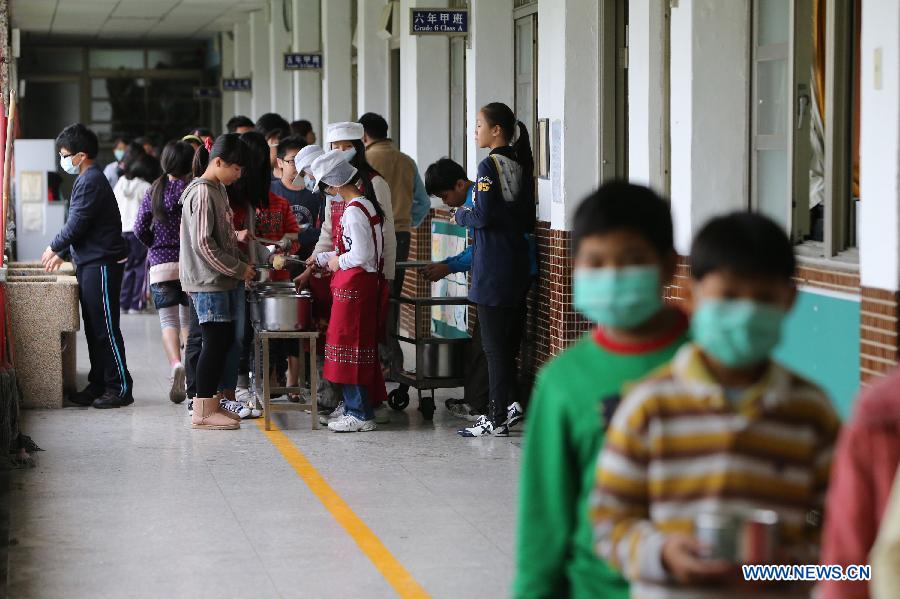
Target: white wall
(280, 81)
(226, 42)
(261, 100)
(568, 92)
(710, 81)
(373, 75)
(306, 36)
(424, 90)
(242, 68)
(489, 66)
(880, 146)
(337, 101)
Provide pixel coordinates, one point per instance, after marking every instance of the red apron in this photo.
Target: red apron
(354, 330)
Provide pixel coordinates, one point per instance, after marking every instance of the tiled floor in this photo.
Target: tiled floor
(133, 503)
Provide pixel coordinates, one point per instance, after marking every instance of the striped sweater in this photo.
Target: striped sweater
(677, 447)
(209, 258)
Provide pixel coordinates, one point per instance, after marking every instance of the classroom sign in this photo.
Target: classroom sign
(244, 84)
(444, 21)
(294, 61)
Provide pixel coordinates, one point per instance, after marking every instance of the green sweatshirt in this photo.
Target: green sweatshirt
(573, 401)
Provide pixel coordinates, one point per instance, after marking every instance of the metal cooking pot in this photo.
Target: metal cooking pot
(285, 311)
(443, 360)
(263, 273)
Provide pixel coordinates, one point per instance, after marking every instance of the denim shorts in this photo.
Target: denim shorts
(218, 306)
(167, 294)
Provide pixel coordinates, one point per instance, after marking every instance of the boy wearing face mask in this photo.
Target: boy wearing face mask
(624, 256)
(722, 429)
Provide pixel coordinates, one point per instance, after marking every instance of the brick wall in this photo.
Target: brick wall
(415, 285)
(878, 332)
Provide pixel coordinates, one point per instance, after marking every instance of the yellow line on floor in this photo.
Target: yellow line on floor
(392, 570)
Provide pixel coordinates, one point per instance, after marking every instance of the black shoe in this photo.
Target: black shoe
(83, 398)
(110, 400)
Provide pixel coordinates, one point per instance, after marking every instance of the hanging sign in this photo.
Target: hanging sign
(447, 21)
(302, 62)
(204, 93)
(237, 85)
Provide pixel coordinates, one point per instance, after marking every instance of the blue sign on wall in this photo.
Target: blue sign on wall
(301, 62)
(201, 93)
(447, 21)
(237, 85)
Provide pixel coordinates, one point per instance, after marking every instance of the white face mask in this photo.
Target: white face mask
(310, 183)
(66, 163)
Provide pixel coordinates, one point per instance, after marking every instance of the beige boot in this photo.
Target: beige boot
(208, 414)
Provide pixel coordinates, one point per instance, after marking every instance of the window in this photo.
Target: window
(804, 121)
(525, 57)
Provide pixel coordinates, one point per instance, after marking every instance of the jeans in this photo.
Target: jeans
(356, 402)
(501, 333)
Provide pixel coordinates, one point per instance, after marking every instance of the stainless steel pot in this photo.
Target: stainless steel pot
(443, 360)
(263, 273)
(289, 311)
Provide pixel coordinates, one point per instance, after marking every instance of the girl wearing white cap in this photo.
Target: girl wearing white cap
(357, 284)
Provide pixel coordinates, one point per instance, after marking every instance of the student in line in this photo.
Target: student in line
(360, 293)
(93, 234)
(303, 198)
(239, 124)
(624, 256)
(158, 226)
(113, 170)
(303, 129)
(130, 191)
(502, 214)
(211, 267)
(722, 429)
(273, 128)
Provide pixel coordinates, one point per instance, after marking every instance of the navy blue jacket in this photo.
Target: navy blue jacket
(501, 266)
(93, 228)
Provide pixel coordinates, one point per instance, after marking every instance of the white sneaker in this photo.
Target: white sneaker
(351, 424)
(241, 409)
(243, 395)
(482, 428)
(514, 414)
(190, 406)
(337, 413)
(382, 414)
(176, 392)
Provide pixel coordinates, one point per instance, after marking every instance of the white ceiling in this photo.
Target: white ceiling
(130, 19)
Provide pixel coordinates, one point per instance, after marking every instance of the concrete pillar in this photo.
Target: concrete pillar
(710, 123)
(337, 102)
(568, 67)
(647, 94)
(373, 67)
(307, 85)
(242, 68)
(226, 41)
(280, 81)
(261, 99)
(424, 90)
(489, 64)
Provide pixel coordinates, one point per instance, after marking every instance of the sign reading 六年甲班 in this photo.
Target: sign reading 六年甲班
(447, 21)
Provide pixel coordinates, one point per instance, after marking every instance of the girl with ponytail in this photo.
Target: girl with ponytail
(157, 227)
(501, 216)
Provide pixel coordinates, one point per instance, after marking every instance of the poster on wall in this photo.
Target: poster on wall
(449, 321)
(33, 218)
(31, 188)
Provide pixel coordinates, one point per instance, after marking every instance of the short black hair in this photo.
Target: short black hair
(78, 138)
(374, 125)
(238, 121)
(145, 167)
(620, 205)
(271, 124)
(443, 175)
(301, 127)
(203, 132)
(291, 142)
(743, 243)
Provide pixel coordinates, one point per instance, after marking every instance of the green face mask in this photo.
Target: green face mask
(737, 332)
(621, 298)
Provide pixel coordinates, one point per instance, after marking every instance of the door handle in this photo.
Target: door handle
(802, 107)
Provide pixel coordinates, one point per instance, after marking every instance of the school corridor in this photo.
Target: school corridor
(112, 507)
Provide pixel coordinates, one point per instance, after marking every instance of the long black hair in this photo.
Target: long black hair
(253, 186)
(227, 146)
(176, 161)
(144, 167)
(499, 114)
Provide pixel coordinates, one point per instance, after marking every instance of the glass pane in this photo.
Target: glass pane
(771, 109)
(524, 107)
(772, 185)
(774, 20)
(117, 59)
(175, 58)
(98, 88)
(101, 110)
(51, 60)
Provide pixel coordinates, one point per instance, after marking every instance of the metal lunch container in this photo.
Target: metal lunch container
(759, 537)
(718, 536)
(286, 311)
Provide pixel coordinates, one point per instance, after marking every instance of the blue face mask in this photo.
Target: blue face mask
(310, 183)
(621, 298)
(349, 154)
(119, 154)
(66, 163)
(737, 333)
